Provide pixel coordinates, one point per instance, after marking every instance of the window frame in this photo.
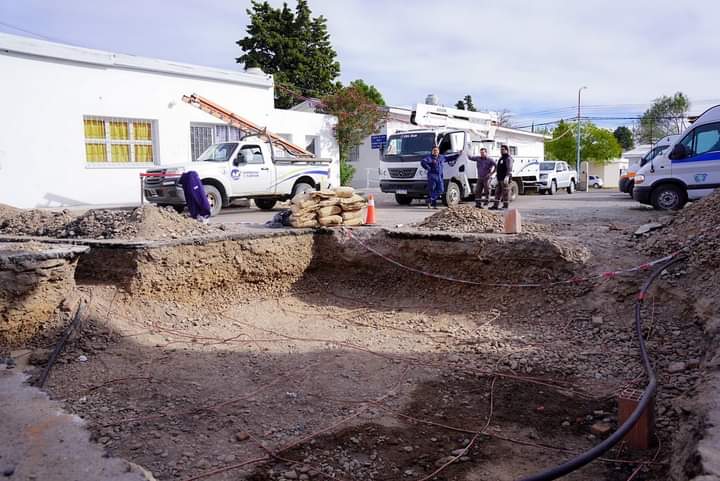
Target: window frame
(703, 128)
(107, 141)
(252, 146)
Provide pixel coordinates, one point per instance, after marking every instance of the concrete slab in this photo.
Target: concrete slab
(38, 441)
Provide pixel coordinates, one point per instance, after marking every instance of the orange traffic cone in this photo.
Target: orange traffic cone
(370, 218)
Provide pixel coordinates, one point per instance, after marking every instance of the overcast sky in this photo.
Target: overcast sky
(527, 56)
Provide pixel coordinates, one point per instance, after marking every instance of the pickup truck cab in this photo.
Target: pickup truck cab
(554, 175)
(247, 169)
(688, 170)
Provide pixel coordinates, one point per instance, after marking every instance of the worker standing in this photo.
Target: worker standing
(485, 170)
(433, 164)
(504, 174)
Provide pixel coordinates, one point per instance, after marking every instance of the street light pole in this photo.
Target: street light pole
(577, 127)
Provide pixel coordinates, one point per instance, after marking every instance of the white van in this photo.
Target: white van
(687, 171)
(627, 180)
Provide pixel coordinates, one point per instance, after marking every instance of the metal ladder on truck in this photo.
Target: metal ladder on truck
(245, 126)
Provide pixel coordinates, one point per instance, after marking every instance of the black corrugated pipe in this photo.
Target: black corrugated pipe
(588, 456)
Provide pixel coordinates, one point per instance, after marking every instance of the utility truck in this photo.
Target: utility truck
(261, 166)
(689, 169)
(459, 135)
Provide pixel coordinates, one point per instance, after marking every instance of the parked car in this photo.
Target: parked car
(556, 175)
(595, 182)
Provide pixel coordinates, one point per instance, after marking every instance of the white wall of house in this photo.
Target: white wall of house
(610, 172)
(51, 88)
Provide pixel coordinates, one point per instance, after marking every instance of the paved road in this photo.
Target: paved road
(601, 206)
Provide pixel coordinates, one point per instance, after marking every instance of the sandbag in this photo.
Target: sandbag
(300, 211)
(328, 211)
(351, 199)
(330, 220)
(355, 221)
(344, 191)
(297, 224)
(323, 194)
(355, 214)
(354, 207)
(303, 218)
(329, 202)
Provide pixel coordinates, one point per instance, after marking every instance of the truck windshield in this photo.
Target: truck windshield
(408, 147)
(653, 153)
(547, 165)
(218, 152)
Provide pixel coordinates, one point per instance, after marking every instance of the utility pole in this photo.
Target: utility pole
(577, 157)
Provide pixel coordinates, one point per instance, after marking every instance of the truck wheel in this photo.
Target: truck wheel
(571, 187)
(553, 188)
(214, 199)
(668, 197)
(452, 195)
(265, 204)
(514, 190)
(301, 188)
(596, 186)
(403, 199)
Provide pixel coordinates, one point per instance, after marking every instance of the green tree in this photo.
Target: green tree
(624, 137)
(597, 145)
(665, 117)
(469, 103)
(369, 91)
(358, 116)
(460, 105)
(292, 46)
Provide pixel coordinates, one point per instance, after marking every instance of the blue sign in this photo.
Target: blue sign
(378, 141)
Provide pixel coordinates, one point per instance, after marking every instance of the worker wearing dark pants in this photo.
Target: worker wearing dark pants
(485, 170)
(504, 175)
(433, 164)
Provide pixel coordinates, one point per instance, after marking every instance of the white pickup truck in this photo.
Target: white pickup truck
(246, 169)
(554, 175)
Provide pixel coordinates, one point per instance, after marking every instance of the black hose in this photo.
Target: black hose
(59, 346)
(596, 451)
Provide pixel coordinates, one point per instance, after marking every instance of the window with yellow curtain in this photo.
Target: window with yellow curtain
(120, 153)
(114, 140)
(96, 152)
(143, 130)
(94, 129)
(143, 153)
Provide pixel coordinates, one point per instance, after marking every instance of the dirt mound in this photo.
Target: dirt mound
(697, 226)
(147, 222)
(471, 220)
(34, 222)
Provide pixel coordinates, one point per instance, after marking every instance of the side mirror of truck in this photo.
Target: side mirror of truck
(239, 160)
(678, 152)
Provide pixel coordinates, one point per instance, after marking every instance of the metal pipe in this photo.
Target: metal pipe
(577, 146)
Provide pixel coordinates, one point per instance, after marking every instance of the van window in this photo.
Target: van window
(707, 139)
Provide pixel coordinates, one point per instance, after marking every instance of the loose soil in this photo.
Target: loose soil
(147, 222)
(345, 366)
(469, 219)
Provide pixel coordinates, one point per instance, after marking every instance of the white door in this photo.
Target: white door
(251, 173)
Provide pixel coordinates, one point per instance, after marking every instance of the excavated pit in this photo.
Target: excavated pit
(303, 355)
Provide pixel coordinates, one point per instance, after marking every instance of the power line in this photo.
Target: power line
(39, 35)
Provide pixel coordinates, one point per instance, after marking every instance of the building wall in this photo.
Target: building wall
(610, 173)
(42, 143)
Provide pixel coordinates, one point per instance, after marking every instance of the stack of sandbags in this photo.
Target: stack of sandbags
(340, 206)
(304, 211)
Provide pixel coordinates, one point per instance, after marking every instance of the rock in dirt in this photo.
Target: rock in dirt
(645, 228)
(600, 429)
(676, 367)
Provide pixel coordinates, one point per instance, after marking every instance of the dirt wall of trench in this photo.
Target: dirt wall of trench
(33, 287)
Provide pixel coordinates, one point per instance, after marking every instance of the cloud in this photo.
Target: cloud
(523, 55)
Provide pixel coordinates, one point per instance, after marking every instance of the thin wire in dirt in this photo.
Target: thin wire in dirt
(474, 438)
(637, 470)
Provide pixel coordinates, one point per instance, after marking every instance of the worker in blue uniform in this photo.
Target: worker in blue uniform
(433, 164)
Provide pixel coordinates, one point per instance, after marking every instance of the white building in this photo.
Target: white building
(79, 125)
